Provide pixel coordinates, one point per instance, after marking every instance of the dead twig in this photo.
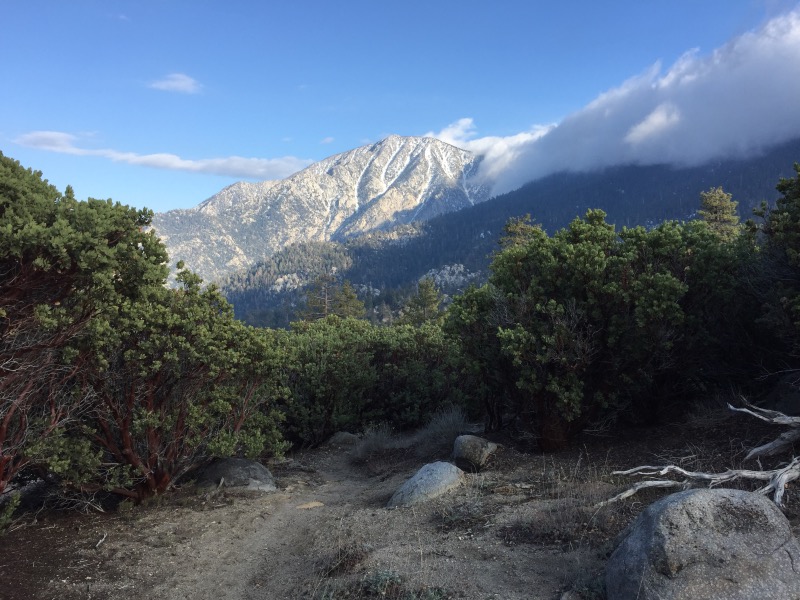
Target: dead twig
(637, 488)
(103, 539)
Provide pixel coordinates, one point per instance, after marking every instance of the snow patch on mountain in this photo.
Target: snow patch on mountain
(392, 182)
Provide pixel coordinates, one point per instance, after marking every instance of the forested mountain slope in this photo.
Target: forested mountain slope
(388, 261)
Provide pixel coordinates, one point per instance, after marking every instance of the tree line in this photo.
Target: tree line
(113, 382)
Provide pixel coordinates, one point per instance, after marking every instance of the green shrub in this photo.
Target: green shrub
(345, 374)
(590, 320)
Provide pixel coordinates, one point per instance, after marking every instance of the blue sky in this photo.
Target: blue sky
(162, 103)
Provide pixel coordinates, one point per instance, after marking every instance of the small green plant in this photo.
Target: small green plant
(383, 584)
(7, 511)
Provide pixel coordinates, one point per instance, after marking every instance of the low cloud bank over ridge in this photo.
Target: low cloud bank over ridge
(740, 99)
(734, 102)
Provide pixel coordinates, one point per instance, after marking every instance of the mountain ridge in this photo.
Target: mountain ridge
(394, 181)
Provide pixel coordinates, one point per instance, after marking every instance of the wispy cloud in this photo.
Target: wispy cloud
(177, 82)
(736, 101)
(326, 140)
(233, 166)
(499, 152)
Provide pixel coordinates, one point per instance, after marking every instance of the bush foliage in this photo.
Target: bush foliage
(112, 380)
(591, 320)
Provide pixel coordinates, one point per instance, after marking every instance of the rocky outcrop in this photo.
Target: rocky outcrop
(711, 544)
(430, 482)
(453, 278)
(397, 180)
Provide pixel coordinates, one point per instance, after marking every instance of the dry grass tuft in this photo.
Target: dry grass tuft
(384, 584)
(438, 436)
(346, 559)
(377, 440)
(565, 513)
(380, 444)
(467, 515)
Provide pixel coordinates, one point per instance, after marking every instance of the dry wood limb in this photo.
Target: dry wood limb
(777, 479)
(103, 539)
(663, 483)
(770, 416)
(785, 441)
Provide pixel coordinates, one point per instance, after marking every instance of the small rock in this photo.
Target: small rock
(429, 482)
(471, 452)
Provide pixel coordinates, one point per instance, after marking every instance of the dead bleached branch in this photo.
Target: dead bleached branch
(783, 442)
(776, 479)
(637, 488)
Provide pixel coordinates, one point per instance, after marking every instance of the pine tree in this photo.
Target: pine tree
(325, 297)
(424, 305)
(319, 298)
(346, 303)
(719, 211)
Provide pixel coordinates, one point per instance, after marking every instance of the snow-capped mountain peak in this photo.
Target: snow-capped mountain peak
(394, 181)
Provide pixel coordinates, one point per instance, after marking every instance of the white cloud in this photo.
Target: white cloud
(54, 141)
(662, 119)
(177, 82)
(232, 166)
(457, 133)
(498, 152)
(736, 101)
(326, 140)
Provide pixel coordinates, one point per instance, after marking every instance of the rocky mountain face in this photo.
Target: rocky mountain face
(395, 181)
(455, 249)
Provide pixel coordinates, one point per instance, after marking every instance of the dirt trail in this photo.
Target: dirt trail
(524, 528)
(325, 533)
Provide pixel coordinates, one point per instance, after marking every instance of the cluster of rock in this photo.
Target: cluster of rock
(452, 278)
(719, 544)
(470, 453)
(237, 473)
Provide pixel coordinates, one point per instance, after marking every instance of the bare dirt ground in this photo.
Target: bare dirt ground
(522, 528)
